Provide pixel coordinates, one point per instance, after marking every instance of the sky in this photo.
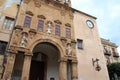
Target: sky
(108, 16)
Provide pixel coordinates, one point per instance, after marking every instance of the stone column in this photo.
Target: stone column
(9, 66)
(26, 67)
(74, 70)
(63, 70)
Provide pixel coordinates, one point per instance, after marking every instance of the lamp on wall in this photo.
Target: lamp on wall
(96, 65)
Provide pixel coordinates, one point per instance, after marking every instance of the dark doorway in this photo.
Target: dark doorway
(37, 70)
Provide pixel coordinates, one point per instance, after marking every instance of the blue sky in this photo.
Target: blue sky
(108, 16)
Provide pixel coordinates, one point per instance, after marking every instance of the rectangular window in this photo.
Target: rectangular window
(80, 44)
(3, 46)
(8, 23)
(27, 21)
(57, 30)
(68, 32)
(40, 25)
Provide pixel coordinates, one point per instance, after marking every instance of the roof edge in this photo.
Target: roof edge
(83, 13)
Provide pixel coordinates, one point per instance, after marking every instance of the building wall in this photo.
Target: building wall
(8, 8)
(92, 49)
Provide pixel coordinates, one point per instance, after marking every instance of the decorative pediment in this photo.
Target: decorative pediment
(29, 13)
(41, 16)
(67, 24)
(58, 21)
(37, 3)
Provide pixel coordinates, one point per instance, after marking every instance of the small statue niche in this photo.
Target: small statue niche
(49, 26)
(69, 49)
(24, 40)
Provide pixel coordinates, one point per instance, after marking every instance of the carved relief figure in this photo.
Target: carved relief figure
(49, 27)
(16, 36)
(23, 40)
(69, 49)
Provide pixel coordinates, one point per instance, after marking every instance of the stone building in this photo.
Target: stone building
(49, 40)
(110, 51)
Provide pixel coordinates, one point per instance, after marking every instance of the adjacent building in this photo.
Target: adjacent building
(49, 40)
(110, 51)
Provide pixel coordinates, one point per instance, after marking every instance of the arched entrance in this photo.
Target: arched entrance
(44, 63)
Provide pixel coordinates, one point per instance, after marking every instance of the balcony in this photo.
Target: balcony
(106, 52)
(115, 54)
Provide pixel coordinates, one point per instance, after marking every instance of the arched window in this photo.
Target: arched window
(40, 25)
(57, 29)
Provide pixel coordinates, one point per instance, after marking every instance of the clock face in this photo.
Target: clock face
(90, 24)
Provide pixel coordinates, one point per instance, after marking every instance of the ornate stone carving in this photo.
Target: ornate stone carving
(17, 31)
(63, 11)
(29, 13)
(13, 49)
(24, 40)
(37, 3)
(47, 1)
(27, 1)
(32, 33)
(64, 40)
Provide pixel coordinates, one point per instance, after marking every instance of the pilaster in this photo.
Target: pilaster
(63, 70)
(26, 66)
(9, 66)
(74, 70)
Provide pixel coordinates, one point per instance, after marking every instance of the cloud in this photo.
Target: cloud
(115, 11)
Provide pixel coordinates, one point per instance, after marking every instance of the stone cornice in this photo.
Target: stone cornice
(107, 42)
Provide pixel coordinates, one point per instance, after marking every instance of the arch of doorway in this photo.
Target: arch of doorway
(62, 57)
(60, 48)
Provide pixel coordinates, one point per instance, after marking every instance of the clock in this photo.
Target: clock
(90, 24)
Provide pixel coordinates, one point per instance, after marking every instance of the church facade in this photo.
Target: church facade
(49, 40)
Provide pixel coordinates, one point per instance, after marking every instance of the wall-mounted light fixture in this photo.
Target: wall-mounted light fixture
(96, 65)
